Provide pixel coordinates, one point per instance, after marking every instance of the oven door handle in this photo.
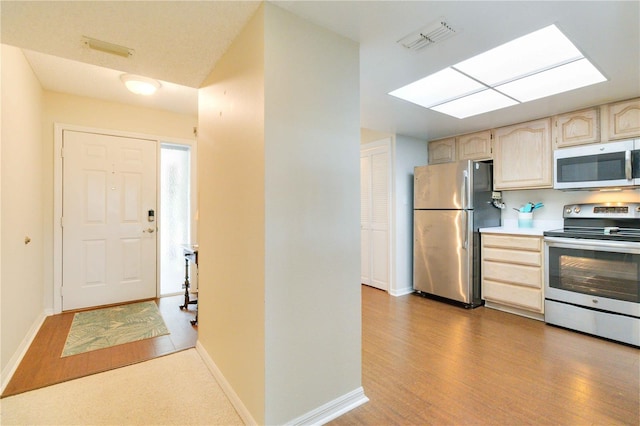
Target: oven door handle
(627, 165)
(602, 245)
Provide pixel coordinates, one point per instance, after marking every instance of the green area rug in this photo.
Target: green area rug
(107, 327)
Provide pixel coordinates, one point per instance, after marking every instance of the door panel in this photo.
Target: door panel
(95, 254)
(380, 263)
(131, 194)
(374, 217)
(442, 186)
(365, 219)
(442, 263)
(365, 257)
(96, 196)
(109, 247)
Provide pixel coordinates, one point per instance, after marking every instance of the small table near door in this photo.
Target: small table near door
(190, 255)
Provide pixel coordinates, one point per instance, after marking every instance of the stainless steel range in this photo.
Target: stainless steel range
(592, 280)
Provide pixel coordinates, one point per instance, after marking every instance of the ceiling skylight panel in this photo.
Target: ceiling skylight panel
(556, 80)
(477, 103)
(533, 52)
(530, 67)
(437, 88)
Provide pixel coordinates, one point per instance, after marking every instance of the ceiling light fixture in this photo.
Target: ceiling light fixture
(537, 65)
(140, 85)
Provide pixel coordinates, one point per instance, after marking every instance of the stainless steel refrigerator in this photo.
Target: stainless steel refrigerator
(451, 202)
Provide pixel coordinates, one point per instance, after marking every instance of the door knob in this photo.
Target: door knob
(149, 230)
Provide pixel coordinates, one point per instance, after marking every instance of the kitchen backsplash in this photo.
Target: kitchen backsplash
(555, 200)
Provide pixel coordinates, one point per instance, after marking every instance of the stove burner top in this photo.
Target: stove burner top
(609, 221)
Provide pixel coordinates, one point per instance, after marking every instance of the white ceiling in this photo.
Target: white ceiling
(179, 42)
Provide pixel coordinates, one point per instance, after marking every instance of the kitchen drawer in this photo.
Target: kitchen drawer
(522, 275)
(523, 297)
(512, 242)
(531, 258)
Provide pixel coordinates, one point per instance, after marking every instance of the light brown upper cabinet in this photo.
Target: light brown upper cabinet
(577, 128)
(624, 119)
(475, 146)
(522, 156)
(442, 151)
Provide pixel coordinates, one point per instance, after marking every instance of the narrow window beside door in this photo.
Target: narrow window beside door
(175, 201)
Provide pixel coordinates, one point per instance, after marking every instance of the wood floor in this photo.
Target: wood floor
(43, 366)
(430, 363)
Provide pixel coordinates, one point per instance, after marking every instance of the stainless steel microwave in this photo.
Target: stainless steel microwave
(608, 165)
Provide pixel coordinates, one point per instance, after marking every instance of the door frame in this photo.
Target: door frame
(59, 128)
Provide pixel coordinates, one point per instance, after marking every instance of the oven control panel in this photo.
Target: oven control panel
(603, 210)
(611, 209)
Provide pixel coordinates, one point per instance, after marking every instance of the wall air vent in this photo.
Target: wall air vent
(106, 47)
(432, 33)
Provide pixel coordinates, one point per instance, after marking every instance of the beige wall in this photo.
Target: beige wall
(279, 217)
(368, 135)
(82, 111)
(232, 215)
(93, 113)
(312, 187)
(21, 285)
(27, 186)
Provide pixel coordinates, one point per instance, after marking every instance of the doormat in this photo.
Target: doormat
(102, 328)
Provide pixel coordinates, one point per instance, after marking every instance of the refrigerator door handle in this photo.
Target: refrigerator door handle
(465, 242)
(465, 189)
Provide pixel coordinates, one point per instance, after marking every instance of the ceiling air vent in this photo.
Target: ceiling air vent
(106, 47)
(432, 33)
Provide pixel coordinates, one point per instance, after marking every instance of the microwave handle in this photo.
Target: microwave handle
(627, 165)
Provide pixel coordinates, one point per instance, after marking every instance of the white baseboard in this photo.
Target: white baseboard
(319, 416)
(235, 400)
(401, 291)
(332, 409)
(11, 367)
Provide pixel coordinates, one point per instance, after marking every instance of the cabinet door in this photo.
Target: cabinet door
(475, 146)
(527, 298)
(577, 128)
(513, 271)
(513, 274)
(442, 151)
(624, 119)
(522, 156)
(512, 242)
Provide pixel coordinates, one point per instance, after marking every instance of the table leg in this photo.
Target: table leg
(186, 284)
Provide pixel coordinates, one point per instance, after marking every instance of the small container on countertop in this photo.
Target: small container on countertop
(525, 220)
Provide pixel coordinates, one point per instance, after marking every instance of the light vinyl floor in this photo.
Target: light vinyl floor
(429, 363)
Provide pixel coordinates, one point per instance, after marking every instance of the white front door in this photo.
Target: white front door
(109, 200)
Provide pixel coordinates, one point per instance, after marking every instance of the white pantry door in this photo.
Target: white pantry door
(108, 242)
(374, 216)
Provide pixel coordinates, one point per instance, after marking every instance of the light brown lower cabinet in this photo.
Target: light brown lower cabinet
(512, 273)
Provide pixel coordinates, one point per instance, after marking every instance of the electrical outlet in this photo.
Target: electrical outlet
(496, 195)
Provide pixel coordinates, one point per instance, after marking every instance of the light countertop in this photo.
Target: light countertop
(510, 226)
